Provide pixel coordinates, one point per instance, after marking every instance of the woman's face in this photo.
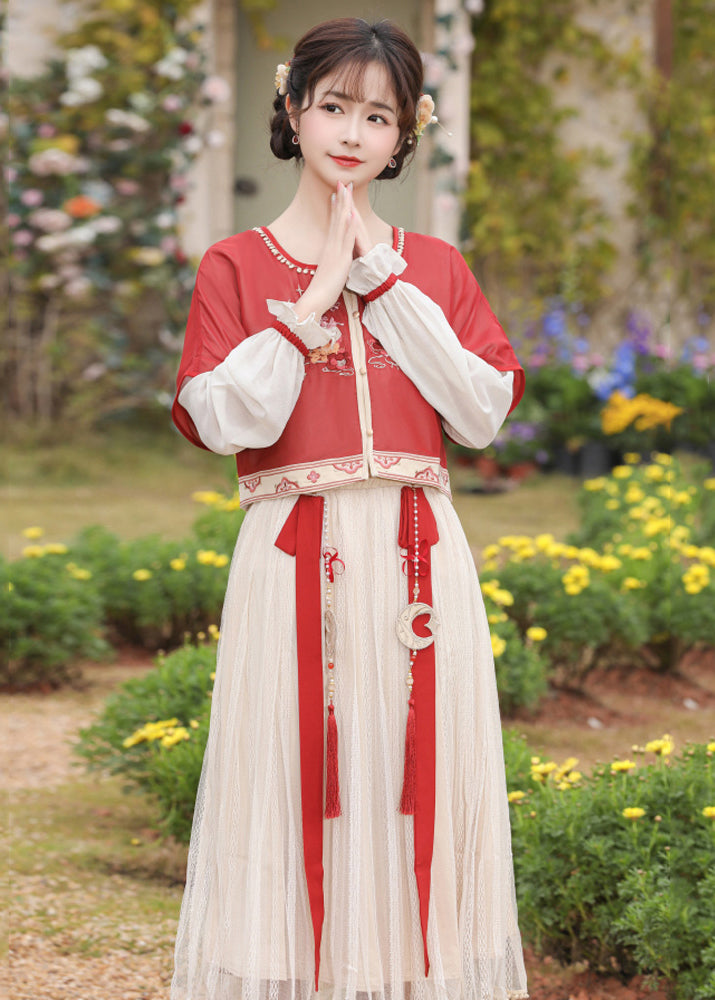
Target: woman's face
(345, 140)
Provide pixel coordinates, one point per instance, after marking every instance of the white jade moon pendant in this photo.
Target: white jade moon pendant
(405, 631)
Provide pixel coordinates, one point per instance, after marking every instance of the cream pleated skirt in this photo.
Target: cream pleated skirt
(245, 930)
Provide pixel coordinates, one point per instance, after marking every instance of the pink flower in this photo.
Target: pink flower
(126, 187)
(32, 197)
(580, 363)
(46, 130)
(22, 237)
(663, 351)
(13, 219)
(215, 89)
(168, 244)
(701, 362)
(171, 103)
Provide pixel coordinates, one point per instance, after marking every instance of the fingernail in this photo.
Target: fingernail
(332, 197)
(350, 185)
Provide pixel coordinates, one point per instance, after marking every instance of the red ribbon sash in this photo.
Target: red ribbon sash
(301, 536)
(423, 691)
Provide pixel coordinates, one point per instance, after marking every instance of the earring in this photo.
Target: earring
(392, 163)
(295, 140)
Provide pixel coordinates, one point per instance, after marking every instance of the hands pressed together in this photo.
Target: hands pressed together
(347, 239)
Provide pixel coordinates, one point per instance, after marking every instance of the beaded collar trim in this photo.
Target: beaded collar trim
(277, 252)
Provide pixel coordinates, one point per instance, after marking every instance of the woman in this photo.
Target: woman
(351, 833)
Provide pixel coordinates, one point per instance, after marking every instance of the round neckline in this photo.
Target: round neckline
(300, 263)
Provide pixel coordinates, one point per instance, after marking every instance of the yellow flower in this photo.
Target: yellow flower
(207, 496)
(497, 618)
(563, 786)
(33, 532)
(654, 473)
(33, 551)
(709, 484)
(711, 747)
(147, 256)
(194, 724)
(221, 560)
(491, 551)
(622, 765)
(631, 458)
(634, 494)
(663, 747)
(135, 842)
(536, 633)
(77, 573)
(142, 574)
(709, 812)
(214, 632)
(633, 812)
(56, 548)
(175, 736)
(622, 472)
(594, 485)
(612, 504)
(178, 564)
(542, 769)
(498, 645)
(544, 542)
(206, 557)
(516, 796)
(631, 583)
(661, 457)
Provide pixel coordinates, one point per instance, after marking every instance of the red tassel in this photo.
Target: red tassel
(407, 802)
(332, 783)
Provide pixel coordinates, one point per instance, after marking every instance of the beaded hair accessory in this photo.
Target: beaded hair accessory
(424, 112)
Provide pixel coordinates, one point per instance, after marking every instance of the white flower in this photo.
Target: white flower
(192, 145)
(216, 89)
(141, 102)
(425, 114)
(119, 145)
(80, 236)
(474, 7)
(126, 119)
(83, 90)
(164, 220)
(50, 220)
(104, 224)
(82, 61)
(172, 64)
(215, 138)
(78, 288)
(50, 243)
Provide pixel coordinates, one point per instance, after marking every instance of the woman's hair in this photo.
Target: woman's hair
(342, 49)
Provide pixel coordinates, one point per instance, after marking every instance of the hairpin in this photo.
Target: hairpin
(281, 80)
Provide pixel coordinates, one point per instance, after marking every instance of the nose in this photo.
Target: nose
(351, 130)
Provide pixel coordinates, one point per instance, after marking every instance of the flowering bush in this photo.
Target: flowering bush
(153, 732)
(569, 383)
(634, 583)
(99, 149)
(50, 616)
(618, 867)
(60, 599)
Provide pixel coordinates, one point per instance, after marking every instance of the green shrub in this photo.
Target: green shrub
(618, 867)
(50, 616)
(632, 584)
(177, 688)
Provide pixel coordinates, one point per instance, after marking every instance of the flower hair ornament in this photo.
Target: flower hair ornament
(281, 80)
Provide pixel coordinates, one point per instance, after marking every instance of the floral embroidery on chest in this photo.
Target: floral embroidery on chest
(334, 357)
(377, 356)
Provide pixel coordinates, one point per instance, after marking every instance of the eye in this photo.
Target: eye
(330, 107)
(380, 118)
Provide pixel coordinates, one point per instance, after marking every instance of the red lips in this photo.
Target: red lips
(346, 161)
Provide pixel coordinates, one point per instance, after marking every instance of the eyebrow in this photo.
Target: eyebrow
(347, 97)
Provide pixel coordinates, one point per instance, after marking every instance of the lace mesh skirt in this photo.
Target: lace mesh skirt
(245, 930)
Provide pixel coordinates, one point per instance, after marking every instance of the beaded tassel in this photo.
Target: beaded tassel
(409, 779)
(332, 778)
